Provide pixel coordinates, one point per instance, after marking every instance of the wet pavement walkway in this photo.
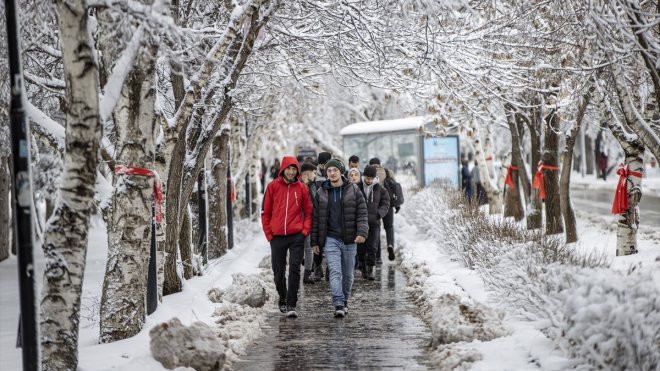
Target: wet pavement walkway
(382, 330)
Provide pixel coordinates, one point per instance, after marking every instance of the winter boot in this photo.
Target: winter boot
(318, 273)
(339, 311)
(370, 273)
(307, 278)
(390, 252)
(291, 312)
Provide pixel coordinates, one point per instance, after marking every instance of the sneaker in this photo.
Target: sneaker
(291, 312)
(339, 311)
(390, 252)
(307, 278)
(346, 308)
(282, 305)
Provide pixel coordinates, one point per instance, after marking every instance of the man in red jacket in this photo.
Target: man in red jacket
(286, 217)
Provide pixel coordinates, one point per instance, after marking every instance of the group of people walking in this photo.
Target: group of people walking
(317, 209)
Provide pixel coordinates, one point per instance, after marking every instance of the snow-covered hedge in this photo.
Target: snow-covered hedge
(603, 318)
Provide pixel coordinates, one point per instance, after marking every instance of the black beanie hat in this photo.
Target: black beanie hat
(307, 166)
(374, 161)
(324, 157)
(370, 170)
(336, 163)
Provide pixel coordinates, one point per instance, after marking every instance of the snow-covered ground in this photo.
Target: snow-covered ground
(439, 280)
(191, 305)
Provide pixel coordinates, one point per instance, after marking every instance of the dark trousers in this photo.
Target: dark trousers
(367, 251)
(279, 246)
(388, 222)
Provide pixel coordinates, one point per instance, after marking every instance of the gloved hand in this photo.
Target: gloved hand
(396, 209)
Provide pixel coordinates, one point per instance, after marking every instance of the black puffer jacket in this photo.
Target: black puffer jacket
(378, 204)
(354, 214)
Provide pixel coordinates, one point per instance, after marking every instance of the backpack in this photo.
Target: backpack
(395, 191)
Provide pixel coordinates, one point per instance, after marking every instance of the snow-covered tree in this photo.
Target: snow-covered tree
(65, 240)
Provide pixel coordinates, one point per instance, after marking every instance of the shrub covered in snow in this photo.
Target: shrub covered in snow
(603, 318)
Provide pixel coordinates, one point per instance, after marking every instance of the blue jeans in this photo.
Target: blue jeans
(341, 264)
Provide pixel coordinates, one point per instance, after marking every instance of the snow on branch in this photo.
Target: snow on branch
(112, 88)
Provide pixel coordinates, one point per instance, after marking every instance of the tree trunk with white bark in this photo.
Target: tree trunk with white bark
(123, 311)
(535, 206)
(65, 240)
(217, 193)
(488, 181)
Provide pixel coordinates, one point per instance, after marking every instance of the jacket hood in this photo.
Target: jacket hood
(286, 162)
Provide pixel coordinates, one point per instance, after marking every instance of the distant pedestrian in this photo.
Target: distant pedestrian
(339, 224)
(275, 169)
(307, 178)
(262, 175)
(602, 164)
(466, 180)
(354, 176)
(322, 158)
(396, 200)
(286, 220)
(378, 205)
(353, 162)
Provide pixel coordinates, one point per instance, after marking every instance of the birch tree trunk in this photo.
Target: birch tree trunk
(122, 311)
(65, 240)
(553, 216)
(217, 193)
(513, 205)
(5, 213)
(534, 207)
(565, 182)
(494, 198)
(180, 181)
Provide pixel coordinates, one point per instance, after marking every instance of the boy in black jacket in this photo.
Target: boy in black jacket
(378, 205)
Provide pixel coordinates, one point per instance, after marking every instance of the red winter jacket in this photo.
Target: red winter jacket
(287, 208)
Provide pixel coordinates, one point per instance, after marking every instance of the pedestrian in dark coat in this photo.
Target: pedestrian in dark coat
(378, 205)
(339, 223)
(307, 178)
(286, 220)
(466, 180)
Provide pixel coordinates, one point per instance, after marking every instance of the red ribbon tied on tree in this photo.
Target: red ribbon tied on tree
(509, 179)
(620, 205)
(158, 190)
(539, 183)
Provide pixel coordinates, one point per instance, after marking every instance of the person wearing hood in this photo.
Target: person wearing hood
(353, 176)
(386, 178)
(339, 223)
(378, 205)
(286, 218)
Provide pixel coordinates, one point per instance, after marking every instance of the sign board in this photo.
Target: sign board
(441, 161)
